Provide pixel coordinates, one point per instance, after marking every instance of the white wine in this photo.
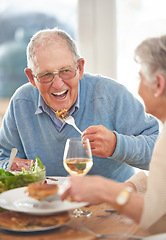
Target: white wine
(77, 160)
(78, 166)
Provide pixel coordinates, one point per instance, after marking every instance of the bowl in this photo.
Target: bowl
(20, 176)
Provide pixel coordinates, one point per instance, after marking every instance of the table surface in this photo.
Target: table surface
(100, 221)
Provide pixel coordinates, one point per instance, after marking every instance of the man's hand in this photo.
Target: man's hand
(102, 140)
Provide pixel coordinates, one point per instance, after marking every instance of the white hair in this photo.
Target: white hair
(151, 55)
(45, 37)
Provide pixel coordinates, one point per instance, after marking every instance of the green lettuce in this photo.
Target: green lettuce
(10, 180)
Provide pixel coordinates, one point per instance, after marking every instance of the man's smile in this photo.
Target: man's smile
(60, 95)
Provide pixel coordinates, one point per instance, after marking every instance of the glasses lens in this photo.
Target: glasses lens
(64, 74)
(45, 78)
(67, 73)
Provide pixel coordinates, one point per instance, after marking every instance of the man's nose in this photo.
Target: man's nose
(57, 81)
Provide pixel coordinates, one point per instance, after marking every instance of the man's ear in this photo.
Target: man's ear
(81, 63)
(30, 76)
(160, 85)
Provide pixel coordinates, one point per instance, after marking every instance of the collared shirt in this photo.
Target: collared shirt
(43, 107)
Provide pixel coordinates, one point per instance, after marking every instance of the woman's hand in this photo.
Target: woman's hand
(92, 189)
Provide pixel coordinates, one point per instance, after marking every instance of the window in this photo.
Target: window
(19, 20)
(136, 20)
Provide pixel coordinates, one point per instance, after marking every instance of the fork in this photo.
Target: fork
(111, 235)
(70, 120)
(12, 157)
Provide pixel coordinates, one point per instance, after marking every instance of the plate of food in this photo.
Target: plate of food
(30, 200)
(22, 222)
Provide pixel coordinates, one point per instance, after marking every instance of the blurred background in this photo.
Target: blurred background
(107, 32)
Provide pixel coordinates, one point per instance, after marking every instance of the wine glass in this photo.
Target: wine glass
(77, 160)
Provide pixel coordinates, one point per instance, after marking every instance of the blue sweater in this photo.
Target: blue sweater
(102, 101)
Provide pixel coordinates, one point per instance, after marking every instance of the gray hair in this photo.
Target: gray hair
(151, 54)
(45, 37)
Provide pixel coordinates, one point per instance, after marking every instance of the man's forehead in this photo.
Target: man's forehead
(45, 58)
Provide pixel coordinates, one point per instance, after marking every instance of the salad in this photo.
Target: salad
(11, 179)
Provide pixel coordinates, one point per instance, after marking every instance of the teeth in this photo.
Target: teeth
(59, 93)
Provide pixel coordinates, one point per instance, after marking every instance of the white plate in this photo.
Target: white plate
(17, 200)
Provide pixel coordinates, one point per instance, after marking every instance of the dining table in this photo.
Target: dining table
(103, 220)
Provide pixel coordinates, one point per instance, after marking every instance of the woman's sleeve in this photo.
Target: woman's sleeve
(140, 182)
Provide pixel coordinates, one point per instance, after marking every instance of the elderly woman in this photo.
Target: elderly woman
(141, 198)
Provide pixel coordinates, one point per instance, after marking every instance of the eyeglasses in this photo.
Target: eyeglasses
(64, 74)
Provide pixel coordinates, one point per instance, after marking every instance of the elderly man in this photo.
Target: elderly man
(121, 134)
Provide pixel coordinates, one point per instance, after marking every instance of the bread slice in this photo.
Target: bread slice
(40, 191)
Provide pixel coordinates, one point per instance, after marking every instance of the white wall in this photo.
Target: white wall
(97, 36)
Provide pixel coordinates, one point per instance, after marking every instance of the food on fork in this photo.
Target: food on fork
(61, 113)
(40, 191)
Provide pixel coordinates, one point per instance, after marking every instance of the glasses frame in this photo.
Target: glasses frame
(55, 73)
